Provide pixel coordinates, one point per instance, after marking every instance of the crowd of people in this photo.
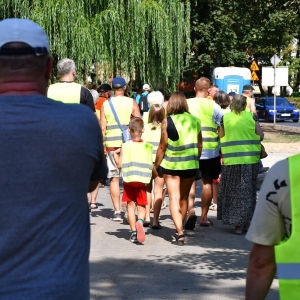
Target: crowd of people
(52, 154)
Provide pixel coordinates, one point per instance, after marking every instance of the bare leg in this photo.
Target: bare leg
(115, 192)
(158, 194)
(173, 185)
(141, 212)
(215, 192)
(192, 196)
(94, 194)
(149, 201)
(131, 215)
(185, 187)
(206, 198)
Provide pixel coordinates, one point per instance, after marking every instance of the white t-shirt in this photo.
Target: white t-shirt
(271, 222)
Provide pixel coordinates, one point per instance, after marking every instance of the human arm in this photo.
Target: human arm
(86, 98)
(259, 131)
(251, 105)
(261, 271)
(103, 121)
(135, 110)
(162, 146)
(118, 154)
(221, 130)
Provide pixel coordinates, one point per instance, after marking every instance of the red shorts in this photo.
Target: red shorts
(135, 191)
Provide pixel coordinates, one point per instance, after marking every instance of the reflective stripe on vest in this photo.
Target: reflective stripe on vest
(66, 92)
(137, 162)
(286, 253)
(240, 145)
(152, 136)
(123, 108)
(203, 109)
(183, 153)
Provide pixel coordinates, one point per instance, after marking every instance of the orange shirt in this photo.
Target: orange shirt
(100, 102)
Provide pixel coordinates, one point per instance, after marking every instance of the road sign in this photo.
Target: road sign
(254, 66)
(254, 76)
(275, 60)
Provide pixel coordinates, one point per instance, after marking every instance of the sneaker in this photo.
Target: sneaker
(140, 232)
(133, 238)
(117, 217)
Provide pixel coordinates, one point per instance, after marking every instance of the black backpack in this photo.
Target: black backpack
(143, 103)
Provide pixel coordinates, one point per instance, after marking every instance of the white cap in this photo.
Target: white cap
(23, 31)
(155, 97)
(146, 87)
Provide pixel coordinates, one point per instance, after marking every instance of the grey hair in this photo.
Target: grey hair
(65, 66)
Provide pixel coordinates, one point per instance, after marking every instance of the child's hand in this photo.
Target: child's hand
(118, 151)
(154, 172)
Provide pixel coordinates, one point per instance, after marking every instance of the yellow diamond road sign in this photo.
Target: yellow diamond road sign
(254, 76)
(254, 66)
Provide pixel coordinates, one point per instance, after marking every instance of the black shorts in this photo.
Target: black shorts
(210, 168)
(181, 173)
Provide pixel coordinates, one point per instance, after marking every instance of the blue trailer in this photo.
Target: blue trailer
(231, 79)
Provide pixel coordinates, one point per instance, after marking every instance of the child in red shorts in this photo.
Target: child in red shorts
(135, 159)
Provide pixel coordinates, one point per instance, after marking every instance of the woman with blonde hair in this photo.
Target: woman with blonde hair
(177, 158)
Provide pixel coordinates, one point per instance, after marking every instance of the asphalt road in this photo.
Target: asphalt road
(282, 123)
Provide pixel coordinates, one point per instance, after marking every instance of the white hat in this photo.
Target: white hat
(155, 97)
(23, 31)
(146, 87)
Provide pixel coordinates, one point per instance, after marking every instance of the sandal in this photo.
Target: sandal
(178, 239)
(191, 222)
(164, 205)
(213, 207)
(206, 224)
(93, 206)
(238, 230)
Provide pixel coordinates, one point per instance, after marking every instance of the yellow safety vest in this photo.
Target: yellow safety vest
(240, 145)
(123, 108)
(66, 92)
(287, 252)
(183, 153)
(137, 162)
(152, 136)
(203, 109)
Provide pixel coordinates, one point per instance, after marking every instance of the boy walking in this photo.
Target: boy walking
(135, 159)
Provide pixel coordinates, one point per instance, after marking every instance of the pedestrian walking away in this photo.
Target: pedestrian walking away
(240, 136)
(177, 158)
(137, 170)
(125, 109)
(66, 90)
(209, 113)
(51, 157)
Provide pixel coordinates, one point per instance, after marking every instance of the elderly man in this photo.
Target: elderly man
(125, 108)
(66, 90)
(51, 156)
(275, 233)
(248, 92)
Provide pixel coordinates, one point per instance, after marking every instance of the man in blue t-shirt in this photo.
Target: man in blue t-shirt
(51, 156)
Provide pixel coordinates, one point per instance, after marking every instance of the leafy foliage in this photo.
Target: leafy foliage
(146, 38)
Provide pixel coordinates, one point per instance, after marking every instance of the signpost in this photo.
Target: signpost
(275, 60)
(254, 67)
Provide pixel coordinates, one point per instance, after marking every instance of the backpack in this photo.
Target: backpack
(143, 105)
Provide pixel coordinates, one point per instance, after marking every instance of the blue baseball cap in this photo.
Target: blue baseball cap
(118, 82)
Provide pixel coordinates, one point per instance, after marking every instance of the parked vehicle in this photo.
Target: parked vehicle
(284, 109)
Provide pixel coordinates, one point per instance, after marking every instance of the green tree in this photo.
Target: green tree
(146, 38)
